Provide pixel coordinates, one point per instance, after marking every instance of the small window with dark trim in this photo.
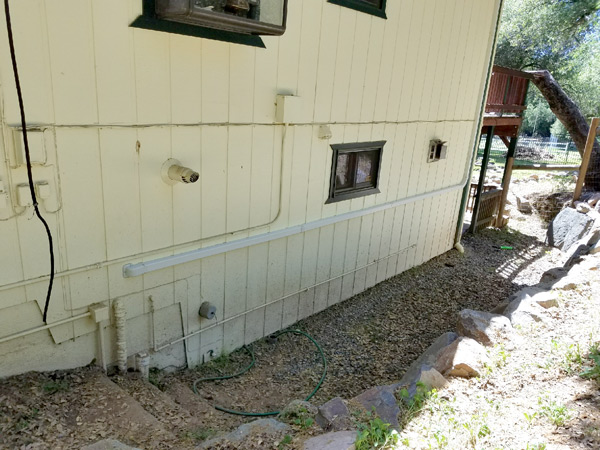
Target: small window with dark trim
(355, 170)
(374, 7)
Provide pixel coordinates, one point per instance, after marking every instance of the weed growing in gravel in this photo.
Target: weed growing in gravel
(287, 440)
(412, 406)
(54, 386)
(299, 417)
(557, 414)
(477, 428)
(535, 446)
(593, 372)
(375, 435)
(200, 434)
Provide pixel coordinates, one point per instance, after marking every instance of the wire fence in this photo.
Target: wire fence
(533, 151)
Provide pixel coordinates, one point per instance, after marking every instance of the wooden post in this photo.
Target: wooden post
(510, 159)
(484, 163)
(587, 153)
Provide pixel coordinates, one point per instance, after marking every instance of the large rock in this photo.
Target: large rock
(381, 398)
(262, 427)
(551, 275)
(298, 409)
(465, 358)
(523, 310)
(432, 379)
(523, 205)
(108, 444)
(567, 228)
(428, 358)
(486, 328)
(340, 440)
(334, 415)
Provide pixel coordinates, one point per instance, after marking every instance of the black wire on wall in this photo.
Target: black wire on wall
(27, 156)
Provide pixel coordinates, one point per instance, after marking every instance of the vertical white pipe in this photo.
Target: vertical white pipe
(121, 326)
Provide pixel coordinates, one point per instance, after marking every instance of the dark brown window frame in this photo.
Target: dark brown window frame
(365, 6)
(338, 195)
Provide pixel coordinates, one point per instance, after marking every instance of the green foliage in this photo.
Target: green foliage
(375, 434)
(54, 386)
(411, 407)
(558, 130)
(556, 414)
(593, 372)
(536, 446)
(299, 417)
(556, 35)
(200, 434)
(287, 440)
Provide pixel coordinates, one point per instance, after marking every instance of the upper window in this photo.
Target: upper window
(355, 170)
(374, 7)
(239, 16)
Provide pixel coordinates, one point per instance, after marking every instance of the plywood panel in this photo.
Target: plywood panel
(308, 57)
(186, 143)
(213, 283)
(460, 59)
(185, 58)
(214, 180)
(289, 45)
(71, 44)
(236, 276)
(372, 74)
(11, 269)
(343, 64)
(299, 175)
(239, 168)
(215, 81)
(328, 47)
(374, 248)
(406, 60)
(432, 69)
(115, 69)
(395, 11)
(153, 77)
(121, 190)
(156, 197)
(31, 45)
(265, 81)
(264, 162)
(317, 180)
(241, 83)
(450, 61)
(384, 248)
(362, 39)
(350, 257)
(82, 196)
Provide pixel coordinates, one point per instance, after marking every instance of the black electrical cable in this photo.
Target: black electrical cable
(27, 156)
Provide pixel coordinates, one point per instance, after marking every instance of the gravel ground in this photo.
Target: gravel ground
(368, 340)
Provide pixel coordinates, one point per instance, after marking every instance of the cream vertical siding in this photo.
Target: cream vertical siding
(115, 102)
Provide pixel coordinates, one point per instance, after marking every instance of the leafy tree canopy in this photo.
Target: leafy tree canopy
(562, 36)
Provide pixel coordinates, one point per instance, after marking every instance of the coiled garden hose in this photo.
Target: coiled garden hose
(251, 353)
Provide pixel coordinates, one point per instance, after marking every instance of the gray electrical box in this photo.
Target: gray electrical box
(240, 16)
(437, 150)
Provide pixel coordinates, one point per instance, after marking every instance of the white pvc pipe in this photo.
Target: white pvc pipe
(134, 270)
(44, 327)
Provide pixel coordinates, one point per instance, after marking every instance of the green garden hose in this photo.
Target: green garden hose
(251, 353)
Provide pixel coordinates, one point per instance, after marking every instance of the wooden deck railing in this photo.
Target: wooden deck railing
(507, 91)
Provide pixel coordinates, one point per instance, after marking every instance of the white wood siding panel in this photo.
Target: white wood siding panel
(265, 163)
(11, 269)
(330, 26)
(213, 177)
(185, 55)
(236, 275)
(362, 42)
(186, 143)
(343, 65)
(372, 74)
(395, 12)
(289, 45)
(239, 168)
(265, 81)
(121, 191)
(308, 57)
(115, 68)
(156, 198)
(215, 81)
(82, 197)
(30, 32)
(241, 84)
(71, 44)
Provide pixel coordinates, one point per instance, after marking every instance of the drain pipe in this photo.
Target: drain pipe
(121, 327)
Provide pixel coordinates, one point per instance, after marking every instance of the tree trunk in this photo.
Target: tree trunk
(570, 116)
